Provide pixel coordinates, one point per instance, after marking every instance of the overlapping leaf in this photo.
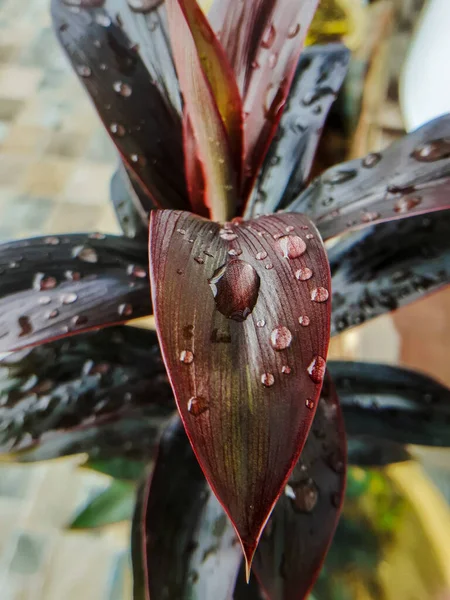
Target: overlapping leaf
(133, 107)
(387, 266)
(300, 530)
(105, 393)
(183, 545)
(243, 317)
(391, 403)
(113, 505)
(55, 286)
(318, 78)
(412, 176)
(129, 210)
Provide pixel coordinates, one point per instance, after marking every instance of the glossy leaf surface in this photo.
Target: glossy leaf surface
(300, 530)
(384, 267)
(318, 78)
(243, 320)
(195, 46)
(184, 543)
(55, 286)
(105, 393)
(263, 41)
(113, 505)
(412, 176)
(134, 109)
(392, 403)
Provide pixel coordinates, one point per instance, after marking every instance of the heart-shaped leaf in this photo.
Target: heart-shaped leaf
(136, 113)
(300, 530)
(55, 286)
(318, 78)
(385, 267)
(243, 321)
(412, 176)
(392, 403)
(183, 546)
(87, 393)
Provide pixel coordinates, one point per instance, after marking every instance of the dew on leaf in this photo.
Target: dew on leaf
(186, 357)
(369, 217)
(235, 287)
(261, 255)
(371, 160)
(136, 271)
(69, 298)
(117, 129)
(303, 274)
(404, 205)
(319, 294)
(227, 234)
(434, 150)
(267, 379)
(123, 89)
(291, 246)
(304, 320)
(268, 266)
(143, 6)
(84, 71)
(52, 241)
(43, 282)
(103, 20)
(316, 369)
(293, 31)
(260, 323)
(285, 369)
(341, 176)
(79, 320)
(85, 253)
(198, 405)
(310, 403)
(309, 236)
(235, 252)
(25, 325)
(44, 300)
(280, 338)
(269, 37)
(125, 310)
(303, 495)
(53, 314)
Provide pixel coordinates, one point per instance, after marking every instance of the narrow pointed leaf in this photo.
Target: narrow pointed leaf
(195, 174)
(212, 140)
(56, 286)
(113, 505)
(186, 547)
(245, 370)
(247, 591)
(66, 397)
(368, 452)
(318, 78)
(412, 176)
(134, 110)
(300, 530)
(387, 266)
(392, 403)
(133, 222)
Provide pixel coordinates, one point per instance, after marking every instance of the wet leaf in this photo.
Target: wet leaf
(132, 217)
(55, 286)
(391, 403)
(300, 530)
(105, 393)
(133, 106)
(412, 176)
(385, 267)
(242, 314)
(263, 41)
(318, 78)
(113, 505)
(368, 452)
(183, 545)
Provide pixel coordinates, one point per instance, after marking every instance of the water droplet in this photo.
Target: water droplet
(186, 357)
(138, 160)
(303, 274)
(303, 495)
(267, 379)
(199, 260)
(42, 282)
(123, 89)
(317, 369)
(336, 463)
(85, 253)
(309, 236)
(293, 31)
(117, 129)
(44, 300)
(235, 252)
(286, 370)
(13, 264)
(254, 65)
(227, 234)
(268, 37)
(125, 310)
(181, 231)
(371, 160)
(340, 176)
(273, 59)
(52, 241)
(97, 236)
(269, 267)
(368, 217)
(103, 20)
(198, 405)
(53, 314)
(280, 338)
(433, 150)
(25, 326)
(304, 320)
(289, 228)
(310, 403)
(180, 271)
(72, 275)
(261, 255)
(404, 205)
(136, 271)
(235, 287)
(79, 320)
(84, 71)
(143, 6)
(69, 298)
(291, 246)
(319, 294)
(260, 323)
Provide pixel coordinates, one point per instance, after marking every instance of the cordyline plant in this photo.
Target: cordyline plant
(217, 121)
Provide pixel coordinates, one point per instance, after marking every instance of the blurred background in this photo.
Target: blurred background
(56, 163)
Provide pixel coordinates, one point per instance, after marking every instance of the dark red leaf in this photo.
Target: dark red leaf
(105, 393)
(195, 175)
(183, 545)
(391, 403)
(243, 322)
(300, 530)
(129, 211)
(318, 78)
(412, 176)
(385, 267)
(263, 41)
(55, 286)
(135, 111)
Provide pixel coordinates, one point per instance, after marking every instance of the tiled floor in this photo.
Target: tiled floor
(55, 167)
